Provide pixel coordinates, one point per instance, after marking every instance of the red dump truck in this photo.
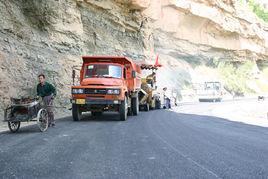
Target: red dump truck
(107, 84)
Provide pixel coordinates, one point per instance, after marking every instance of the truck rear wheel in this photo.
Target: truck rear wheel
(123, 110)
(76, 112)
(153, 104)
(135, 106)
(157, 104)
(146, 107)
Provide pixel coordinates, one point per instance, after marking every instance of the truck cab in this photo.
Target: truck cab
(106, 84)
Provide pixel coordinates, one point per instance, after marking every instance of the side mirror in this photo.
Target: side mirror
(73, 76)
(133, 74)
(125, 73)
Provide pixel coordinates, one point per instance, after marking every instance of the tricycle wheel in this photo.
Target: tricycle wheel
(14, 126)
(42, 120)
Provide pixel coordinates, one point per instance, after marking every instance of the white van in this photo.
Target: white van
(211, 91)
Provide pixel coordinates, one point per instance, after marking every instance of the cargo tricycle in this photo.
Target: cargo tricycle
(26, 110)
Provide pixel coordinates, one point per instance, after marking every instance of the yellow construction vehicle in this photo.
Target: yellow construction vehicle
(148, 97)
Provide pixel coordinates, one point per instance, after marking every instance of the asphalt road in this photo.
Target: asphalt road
(155, 144)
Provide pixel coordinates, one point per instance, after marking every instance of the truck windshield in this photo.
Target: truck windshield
(103, 71)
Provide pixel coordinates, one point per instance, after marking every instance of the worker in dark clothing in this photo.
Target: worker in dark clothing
(47, 92)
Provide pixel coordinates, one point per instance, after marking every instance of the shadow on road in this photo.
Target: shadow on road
(106, 116)
(31, 128)
(103, 117)
(87, 117)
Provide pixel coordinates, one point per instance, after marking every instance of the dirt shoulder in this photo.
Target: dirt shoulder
(252, 111)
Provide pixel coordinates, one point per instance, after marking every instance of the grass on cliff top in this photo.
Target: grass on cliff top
(260, 11)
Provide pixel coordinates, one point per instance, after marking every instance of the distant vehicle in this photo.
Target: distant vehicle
(261, 98)
(210, 92)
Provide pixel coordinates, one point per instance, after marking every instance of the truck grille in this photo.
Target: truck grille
(95, 91)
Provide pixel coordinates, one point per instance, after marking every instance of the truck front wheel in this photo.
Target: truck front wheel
(123, 110)
(135, 106)
(76, 112)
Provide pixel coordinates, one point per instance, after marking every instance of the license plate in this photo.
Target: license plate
(80, 101)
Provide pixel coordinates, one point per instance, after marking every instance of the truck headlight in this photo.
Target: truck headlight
(113, 91)
(77, 91)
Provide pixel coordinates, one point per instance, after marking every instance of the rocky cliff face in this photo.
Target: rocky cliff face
(50, 36)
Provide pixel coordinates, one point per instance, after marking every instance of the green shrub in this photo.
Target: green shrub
(258, 10)
(236, 75)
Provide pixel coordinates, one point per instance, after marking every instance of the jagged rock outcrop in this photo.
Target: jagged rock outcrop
(217, 25)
